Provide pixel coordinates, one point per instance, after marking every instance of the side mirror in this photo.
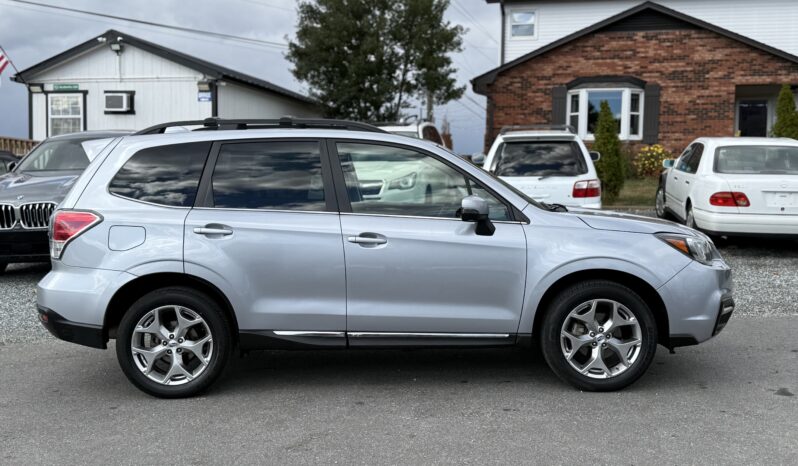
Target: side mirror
(668, 163)
(12, 166)
(478, 159)
(595, 156)
(475, 209)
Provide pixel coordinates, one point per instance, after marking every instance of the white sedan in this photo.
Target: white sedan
(733, 186)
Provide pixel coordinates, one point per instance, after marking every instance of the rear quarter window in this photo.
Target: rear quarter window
(541, 158)
(165, 175)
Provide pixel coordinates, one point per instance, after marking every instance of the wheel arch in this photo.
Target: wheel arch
(134, 289)
(644, 289)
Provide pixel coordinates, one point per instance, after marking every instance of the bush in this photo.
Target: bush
(610, 167)
(786, 125)
(649, 160)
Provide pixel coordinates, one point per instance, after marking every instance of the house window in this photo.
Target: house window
(65, 113)
(626, 106)
(523, 24)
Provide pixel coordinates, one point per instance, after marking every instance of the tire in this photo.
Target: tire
(617, 375)
(201, 364)
(689, 218)
(659, 203)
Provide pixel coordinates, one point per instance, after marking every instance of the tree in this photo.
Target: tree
(365, 59)
(786, 125)
(610, 167)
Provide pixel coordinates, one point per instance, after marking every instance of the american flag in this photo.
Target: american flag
(3, 63)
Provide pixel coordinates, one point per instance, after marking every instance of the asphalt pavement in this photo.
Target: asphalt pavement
(731, 400)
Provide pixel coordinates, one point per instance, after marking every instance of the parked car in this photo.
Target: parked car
(186, 246)
(423, 130)
(7, 161)
(733, 186)
(33, 188)
(550, 165)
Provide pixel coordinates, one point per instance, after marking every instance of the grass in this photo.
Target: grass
(637, 192)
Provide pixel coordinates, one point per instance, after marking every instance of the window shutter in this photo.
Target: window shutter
(558, 96)
(651, 114)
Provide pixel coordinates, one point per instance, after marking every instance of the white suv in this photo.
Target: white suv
(548, 165)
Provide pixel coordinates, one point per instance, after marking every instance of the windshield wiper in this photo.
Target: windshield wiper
(554, 207)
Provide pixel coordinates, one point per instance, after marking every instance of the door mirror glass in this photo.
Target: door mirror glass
(668, 163)
(475, 209)
(595, 156)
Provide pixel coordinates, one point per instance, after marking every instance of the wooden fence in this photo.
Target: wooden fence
(17, 146)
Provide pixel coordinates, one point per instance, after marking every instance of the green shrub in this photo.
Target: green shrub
(610, 167)
(649, 160)
(786, 125)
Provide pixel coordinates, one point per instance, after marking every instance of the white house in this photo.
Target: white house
(117, 81)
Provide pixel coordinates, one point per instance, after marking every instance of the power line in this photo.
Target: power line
(476, 23)
(479, 105)
(160, 25)
(268, 5)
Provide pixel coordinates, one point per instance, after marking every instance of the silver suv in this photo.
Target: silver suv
(186, 247)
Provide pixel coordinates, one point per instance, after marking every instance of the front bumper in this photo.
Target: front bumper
(699, 302)
(82, 334)
(746, 224)
(20, 245)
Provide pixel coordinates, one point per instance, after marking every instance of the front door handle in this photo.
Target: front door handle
(213, 231)
(367, 238)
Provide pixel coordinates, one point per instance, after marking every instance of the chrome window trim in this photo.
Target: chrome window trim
(108, 190)
(308, 333)
(514, 222)
(239, 209)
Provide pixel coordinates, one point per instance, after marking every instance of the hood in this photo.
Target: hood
(617, 221)
(42, 187)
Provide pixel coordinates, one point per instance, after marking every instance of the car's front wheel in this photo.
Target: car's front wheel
(599, 335)
(173, 342)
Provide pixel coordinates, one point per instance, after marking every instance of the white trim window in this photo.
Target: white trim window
(626, 105)
(523, 24)
(64, 113)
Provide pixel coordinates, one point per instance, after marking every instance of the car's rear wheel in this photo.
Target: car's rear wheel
(689, 218)
(599, 335)
(659, 203)
(173, 342)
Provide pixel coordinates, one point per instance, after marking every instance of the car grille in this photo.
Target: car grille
(7, 217)
(36, 215)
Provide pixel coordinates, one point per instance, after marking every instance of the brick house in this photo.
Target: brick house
(669, 77)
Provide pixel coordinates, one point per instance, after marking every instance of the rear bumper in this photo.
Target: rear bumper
(82, 334)
(746, 224)
(699, 302)
(19, 245)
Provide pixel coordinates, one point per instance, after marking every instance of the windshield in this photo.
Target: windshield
(541, 158)
(757, 160)
(65, 154)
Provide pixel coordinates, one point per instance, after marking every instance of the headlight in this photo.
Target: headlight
(405, 182)
(698, 248)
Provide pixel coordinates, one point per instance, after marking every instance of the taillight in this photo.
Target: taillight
(729, 199)
(589, 188)
(68, 225)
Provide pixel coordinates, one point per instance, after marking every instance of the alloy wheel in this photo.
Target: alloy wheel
(601, 339)
(660, 203)
(172, 345)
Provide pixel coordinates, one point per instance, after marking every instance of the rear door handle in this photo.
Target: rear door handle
(366, 240)
(213, 231)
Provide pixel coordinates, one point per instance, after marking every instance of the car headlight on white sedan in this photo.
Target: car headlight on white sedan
(699, 248)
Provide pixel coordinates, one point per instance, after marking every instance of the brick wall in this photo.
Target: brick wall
(697, 70)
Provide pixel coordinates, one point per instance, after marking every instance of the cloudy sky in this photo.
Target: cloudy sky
(30, 34)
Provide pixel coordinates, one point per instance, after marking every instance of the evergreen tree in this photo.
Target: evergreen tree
(786, 125)
(610, 167)
(364, 59)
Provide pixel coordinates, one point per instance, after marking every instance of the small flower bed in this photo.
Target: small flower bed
(649, 160)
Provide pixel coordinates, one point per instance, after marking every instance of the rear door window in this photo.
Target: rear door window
(165, 175)
(274, 175)
(541, 158)
(757, 160)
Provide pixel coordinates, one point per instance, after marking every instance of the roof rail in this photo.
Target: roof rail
(568, 128)
(215, 123)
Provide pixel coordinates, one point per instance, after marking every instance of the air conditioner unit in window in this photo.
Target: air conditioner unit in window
(118, 102)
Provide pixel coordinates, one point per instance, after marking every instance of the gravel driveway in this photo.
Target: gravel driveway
(765, 276)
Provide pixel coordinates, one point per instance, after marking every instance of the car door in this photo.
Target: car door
(690, 175)
(416, 273)
(266, 226)
(675, 187)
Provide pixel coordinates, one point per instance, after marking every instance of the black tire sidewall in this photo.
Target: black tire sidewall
(567, 301)
(197, 302)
